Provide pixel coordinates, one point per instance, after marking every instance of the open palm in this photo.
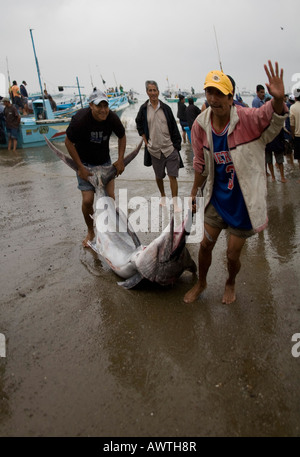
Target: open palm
(275, 85)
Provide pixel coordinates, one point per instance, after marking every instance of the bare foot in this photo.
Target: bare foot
(229, 294)
(194, 292)
(176, 204)
(283, 180)
(90, 236)
(273, 179)
(163, 201)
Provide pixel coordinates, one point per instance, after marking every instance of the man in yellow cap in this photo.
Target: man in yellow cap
(229, 157)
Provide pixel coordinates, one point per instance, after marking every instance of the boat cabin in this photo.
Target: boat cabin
(42, 109)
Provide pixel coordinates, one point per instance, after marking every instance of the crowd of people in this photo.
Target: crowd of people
(229, 142)
(232, 144)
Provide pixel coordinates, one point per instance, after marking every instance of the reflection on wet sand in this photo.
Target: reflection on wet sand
(88, 358)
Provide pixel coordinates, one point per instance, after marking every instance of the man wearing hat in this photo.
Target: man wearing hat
(181, 114)
(295, 124)
(24, 95)
(87, 140)
(12, 122)
(229, 157)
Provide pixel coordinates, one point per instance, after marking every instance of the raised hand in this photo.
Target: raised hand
(275, 85)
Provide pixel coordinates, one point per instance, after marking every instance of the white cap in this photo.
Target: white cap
(97, 97)
(297, 92)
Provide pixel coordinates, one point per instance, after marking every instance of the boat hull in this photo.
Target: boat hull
(31, 133)
(176, 99)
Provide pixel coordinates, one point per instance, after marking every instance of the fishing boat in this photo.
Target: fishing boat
(172, 96)
(33, 128)
(116, 103)
(176, 99)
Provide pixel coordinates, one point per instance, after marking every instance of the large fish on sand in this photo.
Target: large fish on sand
(162, 261)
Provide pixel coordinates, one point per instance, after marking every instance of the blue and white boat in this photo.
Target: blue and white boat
(116, 102)
(33, 128)
(53, 124)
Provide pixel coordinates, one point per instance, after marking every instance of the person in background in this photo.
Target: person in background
(157, 126)
(52, 102)
(181, 114)
(288, 139)
(295, 124)
(2, 123)
(259, 99)
(276, 146)
(87, 140)
(16, 97)
(192, 111)
(24, 95)
(12, 122)
(229, 158)
(257, 102)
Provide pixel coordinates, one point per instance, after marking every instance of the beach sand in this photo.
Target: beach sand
(85, 357)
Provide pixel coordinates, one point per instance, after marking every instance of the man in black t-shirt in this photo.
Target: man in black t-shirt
(87, 140)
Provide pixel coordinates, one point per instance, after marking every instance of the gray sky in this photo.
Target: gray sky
(129, 41)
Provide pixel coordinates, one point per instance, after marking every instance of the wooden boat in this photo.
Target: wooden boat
(33, 128)
(116, 103)
(176, 99)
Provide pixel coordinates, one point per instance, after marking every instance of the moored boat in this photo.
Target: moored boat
(176, 99)
(33, 128)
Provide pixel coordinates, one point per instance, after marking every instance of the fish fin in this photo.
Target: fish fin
(123, 220)
(132, 281)
(111, 171)
(92, 244)
(68, 161)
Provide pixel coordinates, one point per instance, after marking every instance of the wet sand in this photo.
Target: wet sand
(85, 357)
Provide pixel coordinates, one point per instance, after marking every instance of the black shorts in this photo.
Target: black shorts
(18, 102)
(297, 147)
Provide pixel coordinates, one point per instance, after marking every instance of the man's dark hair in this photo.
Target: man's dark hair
(148, 82)
(259, 87)
(232, 82)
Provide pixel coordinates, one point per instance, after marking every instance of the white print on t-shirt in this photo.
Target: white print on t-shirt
(97, 137)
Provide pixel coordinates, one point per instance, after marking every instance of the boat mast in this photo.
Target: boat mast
(8, 77)
(38, 71)
(218, 50)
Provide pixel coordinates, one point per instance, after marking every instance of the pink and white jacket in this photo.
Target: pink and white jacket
(249, 131)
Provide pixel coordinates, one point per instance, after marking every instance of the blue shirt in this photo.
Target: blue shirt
(257, 102)
(227, 197)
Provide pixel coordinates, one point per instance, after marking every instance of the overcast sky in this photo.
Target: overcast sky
(129, 41)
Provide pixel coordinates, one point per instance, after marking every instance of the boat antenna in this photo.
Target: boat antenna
(8, 76)
(103, 82)
(218, 50)
(115, 80)
(38, 71)
(91, 77)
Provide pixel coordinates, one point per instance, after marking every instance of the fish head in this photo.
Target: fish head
(167, 257)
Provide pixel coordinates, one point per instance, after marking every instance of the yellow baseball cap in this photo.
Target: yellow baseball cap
(220, 81)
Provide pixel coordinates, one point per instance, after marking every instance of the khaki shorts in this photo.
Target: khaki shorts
(171, 163)
(213, 218)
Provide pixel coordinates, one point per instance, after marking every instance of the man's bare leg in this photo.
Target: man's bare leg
(271, 168)
(281, 169)
(235, 245)
(204, 261)
(87, 211)
(160, 185)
